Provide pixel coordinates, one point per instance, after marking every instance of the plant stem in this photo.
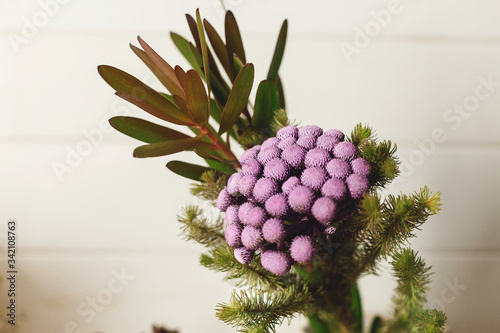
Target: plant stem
(221, 145)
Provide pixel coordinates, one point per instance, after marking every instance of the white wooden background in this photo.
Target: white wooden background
(111, 214)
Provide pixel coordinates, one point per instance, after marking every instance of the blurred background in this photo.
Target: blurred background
(98, 242)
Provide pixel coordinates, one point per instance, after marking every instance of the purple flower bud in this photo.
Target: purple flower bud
(244, 210)
(243, 255)
(335, 133)
(345, 150)
(276, 262)
(273, 230)
(233, 182)
(307, 141)
(277, 205)
(271, 142)
(360, 166)
(330, 230)
(251, 167)
(310, 130)
(250, 154)
(290, 184)
(246, 185)
(327, 142)
(338, 168)
(251, 238)
(231, 216)
(264, 188)
(335, 189)
(302, 249)
(316, 157)
(301, 199)
(294, 155)
(358, 185)
(287, 131)
(277, 169)
(286, 142)
(324, 210)
(313, 178)
(233, 235)
(268, 154)
(224, 200)
(255, 217)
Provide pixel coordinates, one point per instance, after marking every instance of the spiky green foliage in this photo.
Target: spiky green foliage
(261, 311)
(430, 321)
(210, 185)
(200, 229)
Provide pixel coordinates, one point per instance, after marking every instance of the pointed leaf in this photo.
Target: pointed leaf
(193, 27)
(138, 93)
(187, 170)
(275, 102)
(262, 108)
(278, 52)
(181, 104)
(166, 147)
(198, 58)
(168, 79)
(196, 97)
(144, 130)
(356, 310)
(183, 46)
(237, 63)
(180, 74)
(220, 49)
(204, 50)
(281, 93)
(233, 38)
(238, 98)
(376, 325)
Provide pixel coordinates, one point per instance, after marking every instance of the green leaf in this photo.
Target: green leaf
(219, 49)
(204, 50)
(233, 37)
(180, 74)
(356, 310)
(237, 63)
(196, 97)
(144, 130)
(187, 170)
(138, 93)
(183, 46)
(281, 92)
(278, 52)
(238, 98)
(262, 107)
(167, 76)
(317, 325)
(376, 325)
(166, 147)
(198, 58)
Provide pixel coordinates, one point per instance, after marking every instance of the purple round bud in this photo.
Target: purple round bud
(264, 188)
(286, 142)
(358, 185)
(287, 131)
(277, 205)
(330, 230)
(276, 262)
(335, 133)
(335, 189)
(294, 155)
(251, 167)
(327, 142)
(310, 130)
(244, 209)
(271, 142)
(233, 182)
(250, 154)
(255, 217)
(345, 150)
(277, 169)
(251, 238)
(268, 154)
(338, 168)
(360, 166)
(246, 185)
(224, 200)
(316, 157)
(307, 141)
(301, 199)
(233, 235)
(290, 184)
(243, 255)
(324, 210)
(273, 230)
(231, 216)
(313, 178)
(302, 249)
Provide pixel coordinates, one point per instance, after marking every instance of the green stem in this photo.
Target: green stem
(221, 145)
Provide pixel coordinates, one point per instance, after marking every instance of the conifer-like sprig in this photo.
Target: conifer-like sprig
(261, 311)
(430, 321)
(210, 185)
(201, 229)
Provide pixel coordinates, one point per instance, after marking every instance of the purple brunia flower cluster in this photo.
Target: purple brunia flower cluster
(289, 191)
